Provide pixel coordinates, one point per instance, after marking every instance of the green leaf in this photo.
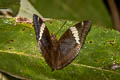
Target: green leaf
(20, 56)
(94, 10)
(11, 4)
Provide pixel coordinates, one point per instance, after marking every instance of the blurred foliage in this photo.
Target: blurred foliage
(11, 4)
(94, 10)
(20, 55)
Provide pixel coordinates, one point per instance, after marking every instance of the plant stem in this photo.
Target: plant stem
(114, 13)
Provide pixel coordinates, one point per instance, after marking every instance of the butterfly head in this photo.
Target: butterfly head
(53, 37)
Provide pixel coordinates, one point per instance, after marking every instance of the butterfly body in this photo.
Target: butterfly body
(59, 53)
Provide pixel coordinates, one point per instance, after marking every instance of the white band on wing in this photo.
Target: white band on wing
(75, 34)
(41, 30)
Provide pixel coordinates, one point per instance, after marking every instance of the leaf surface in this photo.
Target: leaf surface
(20, 56)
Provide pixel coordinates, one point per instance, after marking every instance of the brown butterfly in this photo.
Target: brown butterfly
(60, 53)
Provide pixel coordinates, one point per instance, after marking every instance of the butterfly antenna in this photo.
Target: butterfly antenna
(61, 27)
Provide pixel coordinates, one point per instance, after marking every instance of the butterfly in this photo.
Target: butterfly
(60, 53)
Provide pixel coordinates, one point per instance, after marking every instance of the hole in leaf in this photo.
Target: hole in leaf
(90, 41)
(10, 41)
(111, 42)
(10, 48)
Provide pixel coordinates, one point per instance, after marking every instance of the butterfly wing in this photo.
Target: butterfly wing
(71, 42)
(43, 38)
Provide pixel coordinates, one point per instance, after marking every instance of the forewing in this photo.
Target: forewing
(71, 42)
(43, 38)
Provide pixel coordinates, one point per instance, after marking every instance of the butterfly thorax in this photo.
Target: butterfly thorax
(54, 41)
